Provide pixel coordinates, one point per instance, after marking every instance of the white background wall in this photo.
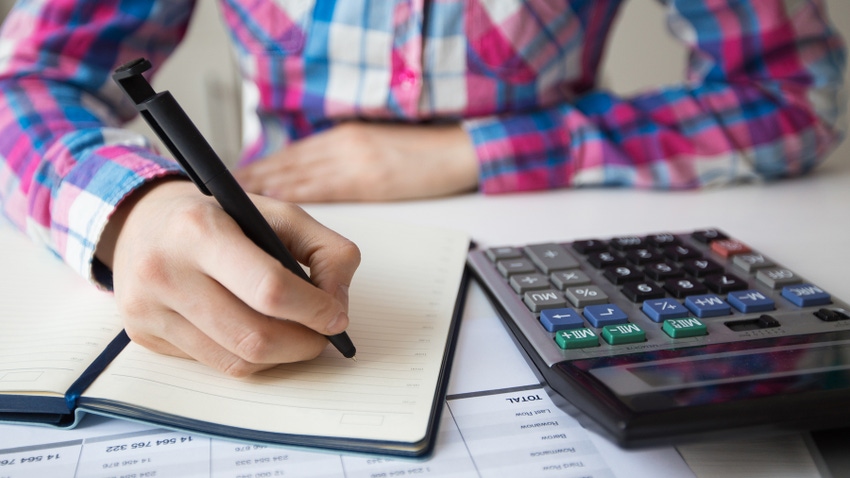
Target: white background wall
(201, 74)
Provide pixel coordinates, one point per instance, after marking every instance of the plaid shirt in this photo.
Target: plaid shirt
(760, 98)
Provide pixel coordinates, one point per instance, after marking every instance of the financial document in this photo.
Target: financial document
(497, 433)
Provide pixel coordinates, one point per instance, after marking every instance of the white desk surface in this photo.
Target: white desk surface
(802, 223)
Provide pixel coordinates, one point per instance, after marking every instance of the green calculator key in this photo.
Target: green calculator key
(684, 327)
(576, 338)
(623, 334)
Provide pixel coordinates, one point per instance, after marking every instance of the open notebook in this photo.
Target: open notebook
(63, 353)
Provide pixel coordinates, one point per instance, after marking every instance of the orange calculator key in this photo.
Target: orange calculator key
(729, 247)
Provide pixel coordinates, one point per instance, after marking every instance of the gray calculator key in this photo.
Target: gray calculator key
(544, 299)
(583, 296)
(571, 278)
(751, 262)
(500, 253)
(509, 267)
(523, 283)
(777, 277)
(551, 257)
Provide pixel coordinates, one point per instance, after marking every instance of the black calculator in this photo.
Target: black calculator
(671, 337)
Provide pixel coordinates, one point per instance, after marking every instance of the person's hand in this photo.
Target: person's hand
(191, 284)
(367, 162)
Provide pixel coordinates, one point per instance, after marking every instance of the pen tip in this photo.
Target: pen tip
(354, 357)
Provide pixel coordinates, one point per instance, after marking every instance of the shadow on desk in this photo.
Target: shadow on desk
(833, 446)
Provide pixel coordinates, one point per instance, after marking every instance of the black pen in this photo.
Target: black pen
(171, 124)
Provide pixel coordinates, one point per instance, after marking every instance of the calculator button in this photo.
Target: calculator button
(576, 338)
(681, 288)
(724, 283)
(621, 274)
(605, 314)
(623, 334)
(806, 295)
(523, 283)
(510, 267)
(589, 246)
(583, 296)
(750, 300)
(662, 240)
(685, 327)
(660, 310)
(729, 247)
(680, 253)
(642, 256)
(538, 300)
(752, 262)
(500, 253)
(554, 320)
(626, 242)
(708, 235)
(550, 257)
(707, 305)
(831, 315)
(564, 279)
(601, 260)
(641, 291)
(777, 277)
(701, 267)
(662, 270)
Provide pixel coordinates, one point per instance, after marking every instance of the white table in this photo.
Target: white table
(803, 223)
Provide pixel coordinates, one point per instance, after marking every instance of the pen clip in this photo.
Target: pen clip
(136, 87)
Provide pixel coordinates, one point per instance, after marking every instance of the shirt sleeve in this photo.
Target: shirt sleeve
(65, 162)
(762, 99)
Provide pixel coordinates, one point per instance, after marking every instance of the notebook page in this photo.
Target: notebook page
(401, 307)
(53, 323)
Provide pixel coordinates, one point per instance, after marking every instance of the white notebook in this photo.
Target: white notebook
(63, 353)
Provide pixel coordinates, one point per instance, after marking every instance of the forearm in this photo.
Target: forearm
(64, 161)
(61, 180)
(743, 113)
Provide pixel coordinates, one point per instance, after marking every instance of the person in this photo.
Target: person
(376, 101)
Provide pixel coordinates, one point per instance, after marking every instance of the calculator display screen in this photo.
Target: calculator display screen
(724, 372)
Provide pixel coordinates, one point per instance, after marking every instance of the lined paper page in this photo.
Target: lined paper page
(402, 301)
(53, 323)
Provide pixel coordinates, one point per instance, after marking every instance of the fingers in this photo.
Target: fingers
(261, 282)
(191, 284)
(332, 258)
(368, 162)
(282, 172)
(295, 176)
(184, 336)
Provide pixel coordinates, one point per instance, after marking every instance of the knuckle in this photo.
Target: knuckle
(254, 346)
(152, 268)
(270, 292)
(355, 139)
(196, 219)
(349, 251)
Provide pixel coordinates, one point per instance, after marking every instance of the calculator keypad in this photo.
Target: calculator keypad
(596, 297)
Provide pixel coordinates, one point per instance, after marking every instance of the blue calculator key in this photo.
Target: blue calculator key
(660, 310)
(605, 314)
(554, 320)
(707, 305)
(806, 295)
(750, 300)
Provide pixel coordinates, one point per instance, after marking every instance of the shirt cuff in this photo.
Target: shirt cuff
(89, 197)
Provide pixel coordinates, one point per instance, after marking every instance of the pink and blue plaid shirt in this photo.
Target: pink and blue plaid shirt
(761, 97)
